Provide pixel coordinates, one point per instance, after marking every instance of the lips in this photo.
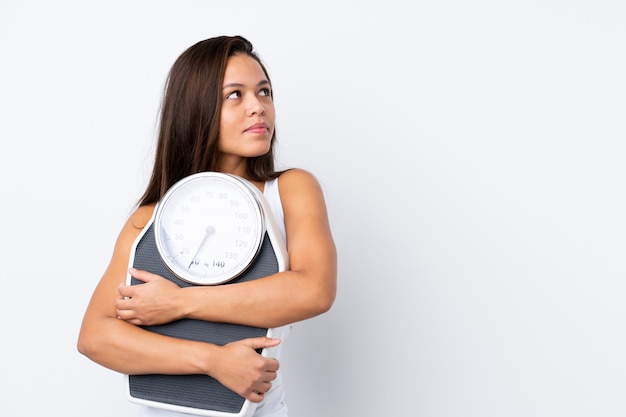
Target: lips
(257, 128)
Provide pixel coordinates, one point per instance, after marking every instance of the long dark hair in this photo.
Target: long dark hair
(190, 117)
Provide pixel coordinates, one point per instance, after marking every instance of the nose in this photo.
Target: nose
(255, 106)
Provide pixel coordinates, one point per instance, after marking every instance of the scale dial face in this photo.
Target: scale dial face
(209, 227)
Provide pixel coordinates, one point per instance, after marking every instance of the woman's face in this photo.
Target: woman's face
(248, 115)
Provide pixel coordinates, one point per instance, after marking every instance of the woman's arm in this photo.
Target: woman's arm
(306, 290)
(126, 348)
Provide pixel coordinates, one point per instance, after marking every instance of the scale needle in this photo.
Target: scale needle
(208, 232)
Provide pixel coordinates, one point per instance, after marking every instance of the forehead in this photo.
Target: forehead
(243, 69)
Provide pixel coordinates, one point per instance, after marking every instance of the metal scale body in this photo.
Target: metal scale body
(202, 394)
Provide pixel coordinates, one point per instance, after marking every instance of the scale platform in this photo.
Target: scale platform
(198, 394)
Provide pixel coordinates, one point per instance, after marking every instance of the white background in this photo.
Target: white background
(472, 155)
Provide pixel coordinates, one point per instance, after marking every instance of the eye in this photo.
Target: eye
(265, 92)
(234, 94)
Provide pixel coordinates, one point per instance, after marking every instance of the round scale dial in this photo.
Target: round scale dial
(209, 227)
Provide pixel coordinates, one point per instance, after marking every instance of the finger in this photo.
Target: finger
(271, 374)
(262, 342)
(130, 290)
(255, 397)
(128, 316)
(123, 302)
(264, 387)
(125, 290)
(124, 314)
(143, 275)
(272, 367)
(258, 394)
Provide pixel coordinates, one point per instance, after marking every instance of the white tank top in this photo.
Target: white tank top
(273, 404)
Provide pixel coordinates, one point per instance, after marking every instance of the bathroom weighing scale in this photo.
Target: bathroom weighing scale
(209, 228)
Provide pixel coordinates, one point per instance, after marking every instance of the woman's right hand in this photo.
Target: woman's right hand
(243, 370)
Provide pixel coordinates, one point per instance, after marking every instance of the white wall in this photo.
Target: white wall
(472, 155)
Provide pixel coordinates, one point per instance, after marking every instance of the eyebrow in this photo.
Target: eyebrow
(234, 85)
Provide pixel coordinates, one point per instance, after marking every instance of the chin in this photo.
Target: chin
(260, 151)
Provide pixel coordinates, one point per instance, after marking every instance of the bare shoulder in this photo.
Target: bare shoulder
(297, 180)
(140, 218)
(134, 225)
(302, 196)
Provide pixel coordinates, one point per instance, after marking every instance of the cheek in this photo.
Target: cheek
(227, 126)
(270, 111)
(226, 120)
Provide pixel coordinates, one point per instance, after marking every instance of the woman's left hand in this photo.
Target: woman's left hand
(156, 301)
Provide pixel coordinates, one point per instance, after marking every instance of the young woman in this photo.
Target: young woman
(217, 115)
